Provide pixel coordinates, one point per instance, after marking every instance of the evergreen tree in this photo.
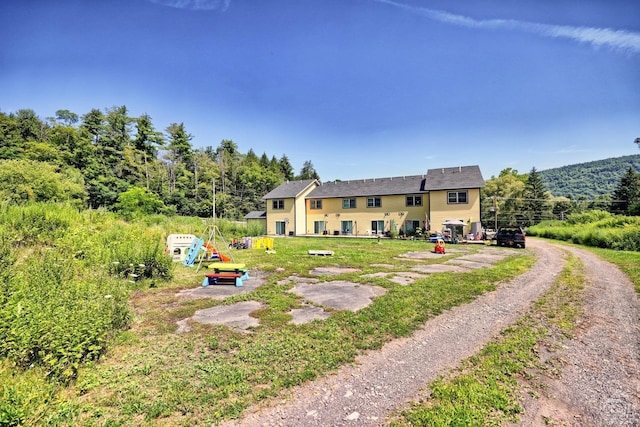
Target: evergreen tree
(308, 171)
(626, 196)
(536, 200)
(286, 168)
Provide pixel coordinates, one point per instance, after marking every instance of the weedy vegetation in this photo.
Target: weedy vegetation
(598, 229)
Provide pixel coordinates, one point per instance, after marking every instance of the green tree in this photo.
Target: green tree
(627, 194)
(502, 199)
(66, 117)
(308, 171)
(179, 157)
(137, 201)
(24, 181)
(10, 141)
(536, 205)
(93, 124)
(30, 127)
(286, 168)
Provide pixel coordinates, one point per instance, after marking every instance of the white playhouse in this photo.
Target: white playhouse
(178, 245)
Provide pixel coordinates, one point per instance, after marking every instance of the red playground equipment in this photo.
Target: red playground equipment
(213, 254)
(439, 248)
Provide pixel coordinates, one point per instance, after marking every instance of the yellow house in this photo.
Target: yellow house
(376, 206)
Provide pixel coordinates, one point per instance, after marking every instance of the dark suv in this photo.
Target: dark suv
(511, 235)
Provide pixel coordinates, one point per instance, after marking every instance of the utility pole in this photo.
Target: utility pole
(495, 213)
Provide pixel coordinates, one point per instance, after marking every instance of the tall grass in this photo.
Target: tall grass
(62, 293)
(596, 228)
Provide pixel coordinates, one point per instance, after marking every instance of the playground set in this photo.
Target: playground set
(192, 250)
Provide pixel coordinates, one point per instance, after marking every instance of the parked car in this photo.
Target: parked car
(512, 235)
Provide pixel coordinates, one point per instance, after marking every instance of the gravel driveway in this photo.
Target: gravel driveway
(599, 384)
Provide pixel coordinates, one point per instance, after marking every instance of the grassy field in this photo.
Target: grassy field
(212, 373)
(131, 368)
(137, 370)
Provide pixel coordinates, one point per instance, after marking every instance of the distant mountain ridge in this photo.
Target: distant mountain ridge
(588, 180)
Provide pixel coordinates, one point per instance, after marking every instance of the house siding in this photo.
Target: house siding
(440, 210)
(277, 215)
(333, 218)
(392, 208)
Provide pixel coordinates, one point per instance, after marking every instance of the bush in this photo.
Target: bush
(588, 217)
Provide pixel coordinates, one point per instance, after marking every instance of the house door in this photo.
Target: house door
(318, 227)
(346, 227)
(281, 227)
(377, 227)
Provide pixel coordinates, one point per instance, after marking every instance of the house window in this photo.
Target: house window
(315, 204)
(456, 197)
(374, 202)
(278, 204)
(348, 203)
(414, 200)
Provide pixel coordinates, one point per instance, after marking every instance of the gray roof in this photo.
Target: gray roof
(256, 215)
(453, 178)
(458, 177)
(289, 189)
(370, 187)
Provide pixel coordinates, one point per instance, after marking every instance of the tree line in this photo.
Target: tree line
(108, 158)
(514, 198)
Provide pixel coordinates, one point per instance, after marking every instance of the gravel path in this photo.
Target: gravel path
(364, 394)
(599, 384)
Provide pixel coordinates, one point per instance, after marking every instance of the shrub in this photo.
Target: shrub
(587, 217)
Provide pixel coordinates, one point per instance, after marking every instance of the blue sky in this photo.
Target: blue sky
(361, 88)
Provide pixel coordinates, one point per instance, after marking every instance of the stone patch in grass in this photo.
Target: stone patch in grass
(407, 278)
(340, 295)
(439, 268)
(307, 314)
(236, 316)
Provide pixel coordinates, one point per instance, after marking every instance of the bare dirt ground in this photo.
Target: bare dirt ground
(598, 384)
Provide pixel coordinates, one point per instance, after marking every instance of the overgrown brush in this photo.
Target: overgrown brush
(38, 223)
(596, 228)
(51, 319)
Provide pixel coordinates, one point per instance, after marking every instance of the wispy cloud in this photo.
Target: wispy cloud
(627, 41)
(221, 5)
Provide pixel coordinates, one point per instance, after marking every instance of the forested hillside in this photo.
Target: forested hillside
(111, 159)
(588, 180)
